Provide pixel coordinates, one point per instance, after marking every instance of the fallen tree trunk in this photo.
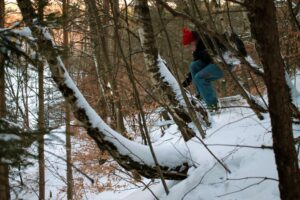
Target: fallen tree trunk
(130, 155)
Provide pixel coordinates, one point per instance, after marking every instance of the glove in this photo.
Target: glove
(187, 80)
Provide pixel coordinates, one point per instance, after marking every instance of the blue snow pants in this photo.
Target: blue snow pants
(202, 76)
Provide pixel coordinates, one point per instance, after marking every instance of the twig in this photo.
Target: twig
(254, 177)
(243, 188)
(247, 146)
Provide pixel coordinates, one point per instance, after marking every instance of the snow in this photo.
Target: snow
(248, 165)
(229, 59)
(24, 32)
(170, 79)
(253, 64)
(293, 89)
(8, 136)
(164, 123)
(11, 124)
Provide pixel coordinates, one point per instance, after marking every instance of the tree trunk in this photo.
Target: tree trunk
(95, 34)
(41, 115)
(2, 61)
(41, 128)
(4, 186)
(111, 46)
(262, 16)
(4, 169)
(67, 106)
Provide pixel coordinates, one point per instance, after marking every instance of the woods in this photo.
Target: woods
(108, 75)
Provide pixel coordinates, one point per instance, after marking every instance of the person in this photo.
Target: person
(202, 70)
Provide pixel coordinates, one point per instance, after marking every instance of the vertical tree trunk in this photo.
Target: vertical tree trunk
(25, 98)
(119, 112)
(41, 128)
(4, 170)
(262, 17)
(41, 115)
(112, 63)
(67, 106)
(95, 35)
(2, 71)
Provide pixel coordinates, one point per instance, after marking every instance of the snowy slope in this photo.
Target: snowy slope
(235, 137)
(207, 180)
(249, 165)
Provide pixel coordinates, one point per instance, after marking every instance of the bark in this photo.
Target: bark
(67, 107)
(41, 128)
(4, 186)
(118, 109)
(4, 169)
(41, 115)
(25, 98)
(2, 79)
(47, 49)
(262, 16)
(180, 117)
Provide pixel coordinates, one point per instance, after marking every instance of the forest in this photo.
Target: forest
(149, 99)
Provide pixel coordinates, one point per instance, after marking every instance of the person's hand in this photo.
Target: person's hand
(185, 83)
(187, 80)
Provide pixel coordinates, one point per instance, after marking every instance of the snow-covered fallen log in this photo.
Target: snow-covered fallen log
(129, 154)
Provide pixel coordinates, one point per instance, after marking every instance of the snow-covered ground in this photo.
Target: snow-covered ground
(248, 165)
(235, 137)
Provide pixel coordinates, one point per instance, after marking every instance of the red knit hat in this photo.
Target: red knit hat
(187, 36)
